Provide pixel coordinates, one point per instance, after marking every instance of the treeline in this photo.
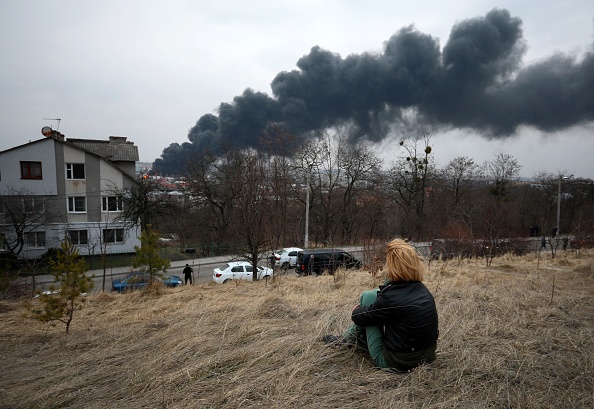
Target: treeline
(250, 202)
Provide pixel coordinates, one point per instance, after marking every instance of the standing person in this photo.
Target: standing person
(188, 274)
(397, 323)
(543, 243)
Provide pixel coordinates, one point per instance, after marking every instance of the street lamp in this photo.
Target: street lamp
(561, 177)
(306, 240)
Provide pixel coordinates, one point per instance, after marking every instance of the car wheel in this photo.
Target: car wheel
(226, 281)
(285, 266)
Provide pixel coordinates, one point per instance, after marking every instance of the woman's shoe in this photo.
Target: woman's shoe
(338, 342)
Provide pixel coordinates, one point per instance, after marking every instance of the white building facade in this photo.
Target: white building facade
(53, 188)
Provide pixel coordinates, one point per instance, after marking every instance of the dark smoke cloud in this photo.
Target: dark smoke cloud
(476, 82)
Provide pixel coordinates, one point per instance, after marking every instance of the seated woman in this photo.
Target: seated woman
(398, 324)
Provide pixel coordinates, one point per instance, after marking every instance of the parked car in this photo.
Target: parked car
(319, 260)
(286, 257)
(239, 270)
(137, 280)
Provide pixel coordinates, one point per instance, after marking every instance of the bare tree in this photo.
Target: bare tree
(358, 165)
(144, 203)
(235, 191)
(577, 216)
(214, 185)
(287, 207)
(537, 203)
(408, 183)
(500, 172)
(461, 179)
(97, 237)
(250, 226)
(460, 176)
(340, 176)
(496, 206)
(22, 214)
(315, 162)
(183, 225)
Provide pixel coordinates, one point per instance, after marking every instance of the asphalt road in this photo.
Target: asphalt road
(203, 268)
(202, 272)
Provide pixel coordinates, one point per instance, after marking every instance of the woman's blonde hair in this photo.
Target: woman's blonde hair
(403, 262)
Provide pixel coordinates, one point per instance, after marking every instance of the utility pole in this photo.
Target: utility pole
(561, 177)
(306, 240)
(559, 207)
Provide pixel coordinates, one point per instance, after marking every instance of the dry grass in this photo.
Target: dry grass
(512, 336)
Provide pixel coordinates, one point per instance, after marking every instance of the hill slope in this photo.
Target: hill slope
(512, 335)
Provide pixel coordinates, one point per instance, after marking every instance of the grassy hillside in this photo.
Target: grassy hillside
(512, 336)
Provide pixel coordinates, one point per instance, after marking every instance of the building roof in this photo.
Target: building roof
(116, 149)
(25, 144)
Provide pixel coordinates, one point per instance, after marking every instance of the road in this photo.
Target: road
(202, 272)
(202, 267)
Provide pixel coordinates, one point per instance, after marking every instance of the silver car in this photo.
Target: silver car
(286, 257)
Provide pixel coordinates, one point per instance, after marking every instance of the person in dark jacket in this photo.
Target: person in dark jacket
(397, 323)
(188, 274)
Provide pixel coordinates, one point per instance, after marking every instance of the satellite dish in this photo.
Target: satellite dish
(46, 131)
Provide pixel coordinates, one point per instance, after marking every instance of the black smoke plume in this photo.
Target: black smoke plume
(475, 82)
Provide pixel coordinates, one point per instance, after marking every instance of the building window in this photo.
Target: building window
(112, 204)
(77, 204)
(35, 239)
(113, 235)
(75, 171)
(32, 204)
(31, 170)
(78, 236)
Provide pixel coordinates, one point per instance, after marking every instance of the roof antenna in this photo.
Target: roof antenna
(54, 119)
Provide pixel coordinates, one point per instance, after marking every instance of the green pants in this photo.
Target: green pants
(370, 336)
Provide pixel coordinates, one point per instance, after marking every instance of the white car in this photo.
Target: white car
(239, 270)
(286, 257)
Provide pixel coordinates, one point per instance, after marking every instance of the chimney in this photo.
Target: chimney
(117, 140)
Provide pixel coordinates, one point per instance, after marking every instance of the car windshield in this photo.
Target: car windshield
(224, 267)
(281, 252)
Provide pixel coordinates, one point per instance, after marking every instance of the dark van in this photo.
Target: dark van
(319, 260)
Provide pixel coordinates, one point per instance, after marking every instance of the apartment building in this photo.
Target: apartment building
(54, 188)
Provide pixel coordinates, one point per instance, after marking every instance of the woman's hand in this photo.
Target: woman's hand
(356, 306)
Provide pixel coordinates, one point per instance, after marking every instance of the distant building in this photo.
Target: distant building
(53, 188)
(144, 167)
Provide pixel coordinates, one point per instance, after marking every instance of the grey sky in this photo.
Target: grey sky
(149, 70)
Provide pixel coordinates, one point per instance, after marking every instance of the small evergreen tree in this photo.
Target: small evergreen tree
(59, 304)
(147, 257)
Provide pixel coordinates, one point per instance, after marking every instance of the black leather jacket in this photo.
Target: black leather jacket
(406, 311)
